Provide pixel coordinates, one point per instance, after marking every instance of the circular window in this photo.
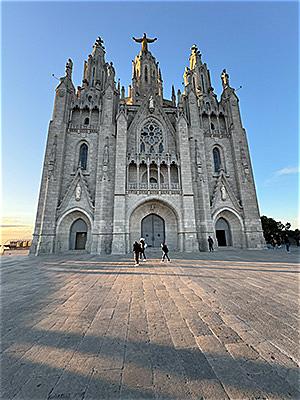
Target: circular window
(151, 139)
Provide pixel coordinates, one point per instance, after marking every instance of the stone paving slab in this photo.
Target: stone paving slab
(221, 325)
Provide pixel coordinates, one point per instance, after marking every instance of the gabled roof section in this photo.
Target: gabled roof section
(224, 195)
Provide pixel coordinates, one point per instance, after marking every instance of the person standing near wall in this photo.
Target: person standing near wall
(143, 245)
(136, 251)
(165, 252)
(210, 243)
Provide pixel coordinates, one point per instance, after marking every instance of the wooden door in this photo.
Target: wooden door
(153, 230)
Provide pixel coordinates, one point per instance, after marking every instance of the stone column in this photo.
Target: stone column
(158, 174)
(204, 224)
(243, 170)
(138, 174)
(169, 175)
(45, 225)
(119, 223)
(102, 232)
(189, 224)
(148, 173)
(179, 177)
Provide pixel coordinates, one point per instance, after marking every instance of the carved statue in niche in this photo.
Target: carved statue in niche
(106, 152)
(52, 157)
(244, 163)
(151, 103)
(223, 193)
(53, 150)
(105, 160)
(78, 192)
(152, 208)
(198, 161)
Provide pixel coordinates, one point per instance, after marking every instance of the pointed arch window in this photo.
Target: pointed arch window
(217, 159)
(93, 76)
(86, 121)
(146, 74)
(83, 154)
(202, 81)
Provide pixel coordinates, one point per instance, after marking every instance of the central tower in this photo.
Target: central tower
(146, 75)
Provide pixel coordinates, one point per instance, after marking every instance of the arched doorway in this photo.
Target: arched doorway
(153, 230)
(223, 233)
(78, 235)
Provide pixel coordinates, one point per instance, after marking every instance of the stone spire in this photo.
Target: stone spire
(94, 68)
(173, 96)
(146, 75)
(196, 76)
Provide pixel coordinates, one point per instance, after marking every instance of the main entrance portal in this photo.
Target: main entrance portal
(153, 230)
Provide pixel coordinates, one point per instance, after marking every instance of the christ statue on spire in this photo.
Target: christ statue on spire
(144, 40)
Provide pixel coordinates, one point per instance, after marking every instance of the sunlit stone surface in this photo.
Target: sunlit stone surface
(220, 326)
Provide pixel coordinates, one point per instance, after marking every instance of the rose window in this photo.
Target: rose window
(151, 140)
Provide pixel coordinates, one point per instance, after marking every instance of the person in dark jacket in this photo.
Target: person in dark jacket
(143, 246)
(287, 243)
(165, 252)
(136, 251)
(210, 243)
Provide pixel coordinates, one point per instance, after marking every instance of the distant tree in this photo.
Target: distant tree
(272, 228)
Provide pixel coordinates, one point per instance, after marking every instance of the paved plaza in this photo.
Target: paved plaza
(205, 326)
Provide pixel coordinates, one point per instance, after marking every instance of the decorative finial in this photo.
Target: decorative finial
(195, 57)
(144, 40)
(225, 79)
(99, 42)
(122, 93)
(173, 96)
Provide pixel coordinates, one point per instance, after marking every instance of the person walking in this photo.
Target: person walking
(165, 251)
(210, 243)
(136, 251)
(143, 245)
(287, 243)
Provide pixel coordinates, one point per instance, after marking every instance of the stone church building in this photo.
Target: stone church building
(119, 166)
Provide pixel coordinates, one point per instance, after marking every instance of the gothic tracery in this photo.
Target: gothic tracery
(151, 138)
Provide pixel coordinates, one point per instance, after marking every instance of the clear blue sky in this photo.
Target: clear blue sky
(256, 41)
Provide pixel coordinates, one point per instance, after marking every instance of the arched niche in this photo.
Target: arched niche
(67, 227)
(78, 235)
(229, 221)
(223, 233)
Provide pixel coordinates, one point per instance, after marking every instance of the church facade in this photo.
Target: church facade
(119, 166)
